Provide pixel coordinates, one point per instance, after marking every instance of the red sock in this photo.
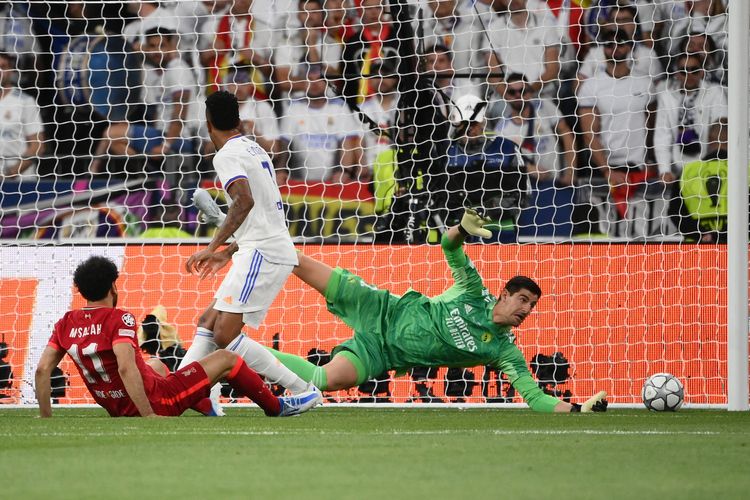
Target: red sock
(203, 406)
(249, 384)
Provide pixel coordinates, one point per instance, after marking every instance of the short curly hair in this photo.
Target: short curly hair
(94, 277)
(223, 110)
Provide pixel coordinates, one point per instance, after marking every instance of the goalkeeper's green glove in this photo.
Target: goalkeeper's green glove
(597, 403)
(472, 224)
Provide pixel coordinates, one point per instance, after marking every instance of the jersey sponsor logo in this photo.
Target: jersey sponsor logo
(85, 331)
(128, 319)
(126, 333)
(459, 331)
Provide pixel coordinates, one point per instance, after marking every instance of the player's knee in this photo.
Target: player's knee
(223, 338)
(227, 358)
(158, 366)
(340, 379)
(207, 319)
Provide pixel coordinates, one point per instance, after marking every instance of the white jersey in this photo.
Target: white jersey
(265, 228)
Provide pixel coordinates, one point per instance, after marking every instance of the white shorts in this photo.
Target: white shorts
(251, 286)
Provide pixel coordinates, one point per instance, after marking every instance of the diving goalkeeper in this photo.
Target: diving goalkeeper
(463, 327)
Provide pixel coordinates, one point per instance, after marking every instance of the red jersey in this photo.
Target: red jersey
(87, 335)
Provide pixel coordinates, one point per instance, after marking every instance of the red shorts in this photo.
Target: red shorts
(179, 391)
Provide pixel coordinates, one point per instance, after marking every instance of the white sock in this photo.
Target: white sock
(203, 345)
(266, 365)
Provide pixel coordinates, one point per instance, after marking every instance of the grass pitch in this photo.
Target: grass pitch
(389, 454)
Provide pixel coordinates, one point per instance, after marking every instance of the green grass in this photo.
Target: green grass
(377, 453)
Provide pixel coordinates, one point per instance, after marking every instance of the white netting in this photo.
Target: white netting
(592, 132)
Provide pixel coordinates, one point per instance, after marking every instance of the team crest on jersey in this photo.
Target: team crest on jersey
(128, 319)
(486, 337)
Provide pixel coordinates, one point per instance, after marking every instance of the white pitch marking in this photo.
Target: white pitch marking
(207, 432)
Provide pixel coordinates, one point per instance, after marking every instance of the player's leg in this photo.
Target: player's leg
(313, 272)
(203, 345)
(226, 365)
(344, 371)
(228, 335)
(203, 341)
(158, 366)
(244, 297)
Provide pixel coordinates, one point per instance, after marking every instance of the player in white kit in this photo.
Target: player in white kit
(263, 255)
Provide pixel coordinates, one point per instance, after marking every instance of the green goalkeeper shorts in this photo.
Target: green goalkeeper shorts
(366, 309)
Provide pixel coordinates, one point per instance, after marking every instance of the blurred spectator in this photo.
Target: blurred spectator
(240, 38)
(713, 61)
(439, 63)
(613, 113)
(159, 338)
(687, 111)
(708, 17)
(148, 15)
(170, 88)
(258, 119)
(601, 14)
(164, 222)
(381, 107)
(309, 43)
(324, 139)
(448, 24)
(622, 20)
(17, 37)
(373, 38)
(20, 124)
(702, 207)
(535, 124)
(481, 171)
(527, 42)
(193, 16)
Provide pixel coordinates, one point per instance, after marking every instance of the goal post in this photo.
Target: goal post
(737, 342)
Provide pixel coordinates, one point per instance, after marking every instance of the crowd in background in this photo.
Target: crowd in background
(611, 99)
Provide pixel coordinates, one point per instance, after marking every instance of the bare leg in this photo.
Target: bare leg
(340, 374)
(217, 365)
(226, 327)
(207, 320)
(158, 366)
(313, 272)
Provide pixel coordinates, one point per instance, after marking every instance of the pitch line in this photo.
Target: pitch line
(298, 432)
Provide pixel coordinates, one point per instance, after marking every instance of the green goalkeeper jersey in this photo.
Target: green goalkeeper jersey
(455, 329)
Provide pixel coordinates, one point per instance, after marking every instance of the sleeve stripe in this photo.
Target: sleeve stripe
(120, 340)
(233, 179)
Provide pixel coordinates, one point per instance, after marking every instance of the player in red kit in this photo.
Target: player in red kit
(102, 342)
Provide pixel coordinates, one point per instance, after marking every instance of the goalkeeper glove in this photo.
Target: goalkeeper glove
(596, 403)
(472, 224)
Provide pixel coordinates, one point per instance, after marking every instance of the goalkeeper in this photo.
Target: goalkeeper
(464, 326)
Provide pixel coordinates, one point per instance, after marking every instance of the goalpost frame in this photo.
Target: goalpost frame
(737, 191)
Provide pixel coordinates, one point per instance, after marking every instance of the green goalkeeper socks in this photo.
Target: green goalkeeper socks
(303, 368)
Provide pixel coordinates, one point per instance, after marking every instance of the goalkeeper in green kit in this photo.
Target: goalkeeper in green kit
(463, 327)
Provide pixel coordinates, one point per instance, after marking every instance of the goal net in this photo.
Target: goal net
(591, 133)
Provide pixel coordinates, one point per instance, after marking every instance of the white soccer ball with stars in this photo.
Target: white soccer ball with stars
(663, 392)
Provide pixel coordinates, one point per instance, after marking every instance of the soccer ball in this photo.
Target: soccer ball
(663, 392)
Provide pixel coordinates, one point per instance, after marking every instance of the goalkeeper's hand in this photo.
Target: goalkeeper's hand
(597, 403)
(473, 224)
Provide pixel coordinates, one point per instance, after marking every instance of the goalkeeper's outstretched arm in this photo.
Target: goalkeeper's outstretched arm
(471, 225)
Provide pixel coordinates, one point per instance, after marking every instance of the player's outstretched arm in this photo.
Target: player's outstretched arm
(472, 224)
(242, 203)
(42, 385)
(131, 378)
